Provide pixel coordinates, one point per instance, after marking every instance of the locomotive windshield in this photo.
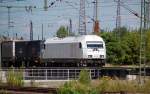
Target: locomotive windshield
(94, 44)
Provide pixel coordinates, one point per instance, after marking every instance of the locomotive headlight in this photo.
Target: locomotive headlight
(101, 56)
(89, 56)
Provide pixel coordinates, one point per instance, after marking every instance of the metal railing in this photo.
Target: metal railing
(53, 74)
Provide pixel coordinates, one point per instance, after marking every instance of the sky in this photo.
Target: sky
(60, 13)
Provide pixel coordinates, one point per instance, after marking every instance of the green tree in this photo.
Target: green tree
(132, 42)
(122, 31)
(124, 50)
(114, 49)
(62, 32)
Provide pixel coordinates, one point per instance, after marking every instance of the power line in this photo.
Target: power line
(38, 8)
(30, 8)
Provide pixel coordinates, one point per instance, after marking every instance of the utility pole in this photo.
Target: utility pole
(96, 21)
(9, 22)
(28, 8)
(31, 30)
(118, 19)
(70, 27)
(142, 65)
(82, 18)
(45, 5)
(42, 32)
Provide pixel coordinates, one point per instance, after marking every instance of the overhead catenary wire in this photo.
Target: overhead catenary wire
(57, 8)
(69, 7)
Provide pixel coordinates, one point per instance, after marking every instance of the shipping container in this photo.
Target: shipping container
(15, 53)
(28, 49)
(7, 50)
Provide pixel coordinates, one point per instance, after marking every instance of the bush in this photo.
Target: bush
(84, 86)
(103, 84)
(109, 85)
(67, 88)
(81, 86)
(15, 78)
(84, 77)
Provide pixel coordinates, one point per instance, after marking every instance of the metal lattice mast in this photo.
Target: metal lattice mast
(118, 19)
(148, 14)
(142, 65)
(96, 21)
(82, 18)
(9, 22)
(31, 30)
(45, 5)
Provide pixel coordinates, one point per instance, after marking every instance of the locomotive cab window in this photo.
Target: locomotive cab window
(95, 44)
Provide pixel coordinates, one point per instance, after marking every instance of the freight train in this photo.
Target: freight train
(77, 51)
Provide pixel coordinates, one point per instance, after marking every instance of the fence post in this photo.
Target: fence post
(90, 73)
(75, 74)
(46, 73)
(23, 72)
(68, 74)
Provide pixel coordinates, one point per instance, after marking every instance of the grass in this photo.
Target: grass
(3, 92)
(104, 84)
(15, 78)
(32, 83)
(146, 87)
(118, 85)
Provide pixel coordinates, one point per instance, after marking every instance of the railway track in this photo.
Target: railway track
(28, 90)
(21, 92)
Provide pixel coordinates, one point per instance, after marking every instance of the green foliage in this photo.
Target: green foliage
(81, 86)
(104, 84)
(121, 31)
(124, 50)
(84, 77)
(15, 78)
(147, 86)
(62, 32)
(71, 34)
